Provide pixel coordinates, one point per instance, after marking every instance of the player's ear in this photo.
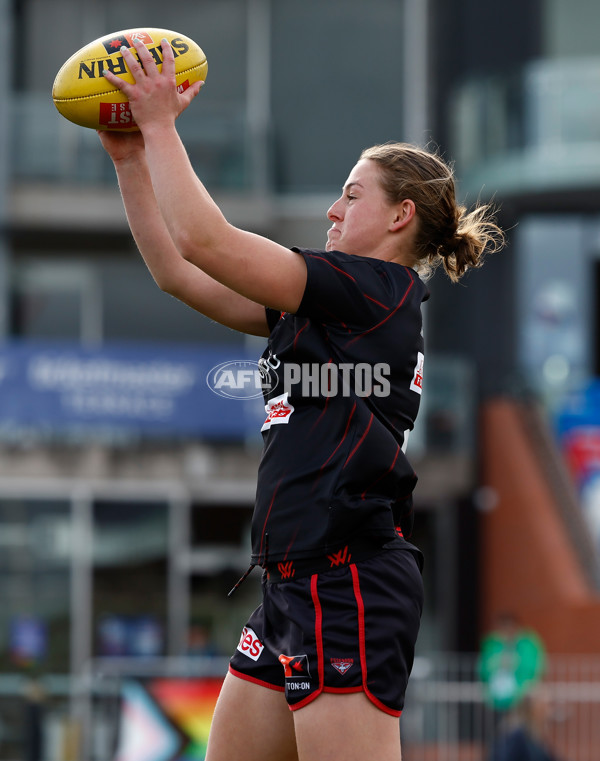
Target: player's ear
(404, 212)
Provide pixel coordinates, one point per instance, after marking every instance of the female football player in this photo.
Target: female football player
(323, 663)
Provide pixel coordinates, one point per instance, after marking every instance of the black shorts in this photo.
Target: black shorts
(344, 630)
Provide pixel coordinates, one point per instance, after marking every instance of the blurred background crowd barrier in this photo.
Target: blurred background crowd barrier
(161, 710)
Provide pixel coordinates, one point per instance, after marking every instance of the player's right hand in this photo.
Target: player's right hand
(121, 146)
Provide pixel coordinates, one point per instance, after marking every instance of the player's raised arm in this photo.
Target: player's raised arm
(251, 265)
(172, 273)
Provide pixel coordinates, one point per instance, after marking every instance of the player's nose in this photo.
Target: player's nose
(335, 211)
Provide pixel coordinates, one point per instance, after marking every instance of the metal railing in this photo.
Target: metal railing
(446, 716)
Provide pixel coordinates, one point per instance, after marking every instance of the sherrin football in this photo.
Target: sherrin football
(83, 95)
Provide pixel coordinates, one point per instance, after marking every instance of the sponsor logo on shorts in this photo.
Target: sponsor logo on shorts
(342, 664)
(297, 674)
(297, 685)
(250, 644)
(293, 665)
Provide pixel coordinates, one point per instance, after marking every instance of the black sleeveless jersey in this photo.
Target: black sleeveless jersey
(342, 386)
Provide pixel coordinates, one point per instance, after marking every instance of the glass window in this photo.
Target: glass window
(35, 558)
(113, 298)
(220, 554)
(130, 544)
(55, 300)
(337, 75)
(569, 28)
(134, 308)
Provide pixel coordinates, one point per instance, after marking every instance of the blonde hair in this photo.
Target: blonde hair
(447, 232)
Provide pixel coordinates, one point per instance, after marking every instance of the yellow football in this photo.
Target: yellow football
(83, 95)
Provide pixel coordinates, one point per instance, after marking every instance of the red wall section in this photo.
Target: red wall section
(529, 566)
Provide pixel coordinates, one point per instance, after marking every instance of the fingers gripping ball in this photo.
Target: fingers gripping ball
(83, 95)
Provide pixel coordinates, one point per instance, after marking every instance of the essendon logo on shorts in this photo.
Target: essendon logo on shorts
(342, 664)
(278, 410)
(250, 644)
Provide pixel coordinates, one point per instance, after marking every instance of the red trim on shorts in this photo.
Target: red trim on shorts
(319, 640)
(318, 627)
(308, 699)
(362, 644)
(254, 680)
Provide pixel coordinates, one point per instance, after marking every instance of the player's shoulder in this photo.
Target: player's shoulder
(357, 263)
(392, 281)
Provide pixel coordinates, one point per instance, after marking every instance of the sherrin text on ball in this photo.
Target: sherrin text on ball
(83, 95)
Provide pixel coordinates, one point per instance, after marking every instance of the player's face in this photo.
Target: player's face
(362, 214)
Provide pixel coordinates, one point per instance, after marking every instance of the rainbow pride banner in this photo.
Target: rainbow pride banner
(166, 719)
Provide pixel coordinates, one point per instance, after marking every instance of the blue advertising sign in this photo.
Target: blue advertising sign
(138, 389)
(140, 636)
(579, 432)
(28, 640)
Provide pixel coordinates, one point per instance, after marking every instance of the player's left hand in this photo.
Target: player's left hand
(153, 96)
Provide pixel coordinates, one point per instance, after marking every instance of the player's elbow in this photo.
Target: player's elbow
(171, 279)
(197, 252)
(200, 246)
(167, 284)
(187, 245)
